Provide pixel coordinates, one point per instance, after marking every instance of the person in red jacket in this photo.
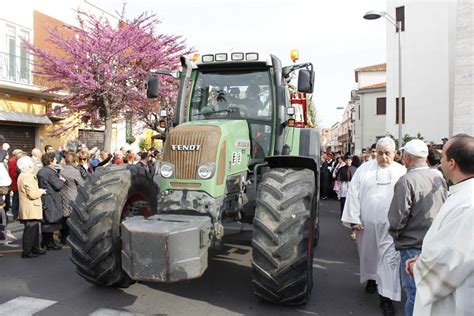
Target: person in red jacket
(14, 172)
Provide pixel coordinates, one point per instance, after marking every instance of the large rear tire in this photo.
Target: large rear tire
(106, 198)
(282, 256)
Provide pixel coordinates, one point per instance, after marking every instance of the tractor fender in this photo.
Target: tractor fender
(294, 162)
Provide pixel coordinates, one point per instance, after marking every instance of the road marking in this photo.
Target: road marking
(306, 312)
(328, 261)
(21, 249)
(319, 266)
(24, 306)
(11, 251)
(112, 312)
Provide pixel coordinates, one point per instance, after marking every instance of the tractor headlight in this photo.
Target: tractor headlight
(206, 171)
(166, 170)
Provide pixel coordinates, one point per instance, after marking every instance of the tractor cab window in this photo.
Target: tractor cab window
(261, 135)
(232, 95)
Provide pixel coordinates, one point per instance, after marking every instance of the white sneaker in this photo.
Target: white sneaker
(353, 236)
(10, 245)
(10, 235)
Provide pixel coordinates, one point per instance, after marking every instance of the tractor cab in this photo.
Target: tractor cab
(237, 95)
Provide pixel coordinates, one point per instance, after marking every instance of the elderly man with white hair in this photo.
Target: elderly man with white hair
(365, 211)
(36, 155)
(31, 211)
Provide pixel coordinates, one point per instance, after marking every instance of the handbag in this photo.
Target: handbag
(337, 185)
(4, 190)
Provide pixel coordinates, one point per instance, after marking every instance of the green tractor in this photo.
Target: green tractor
(234, 162)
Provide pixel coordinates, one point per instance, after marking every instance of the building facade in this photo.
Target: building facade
(335, 144)
(428, 51)
(30, 117)
(369, 106)
(23, 105)
(346, 130)
(463, 105)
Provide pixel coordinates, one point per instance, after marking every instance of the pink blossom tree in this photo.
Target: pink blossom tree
(104, 68)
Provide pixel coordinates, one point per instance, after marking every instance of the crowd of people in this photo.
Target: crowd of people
(38, 189)
(410, 211)
(410, 228)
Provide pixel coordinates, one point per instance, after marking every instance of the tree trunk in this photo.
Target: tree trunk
(108, 128)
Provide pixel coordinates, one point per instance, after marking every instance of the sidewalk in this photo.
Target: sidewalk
(16, 228)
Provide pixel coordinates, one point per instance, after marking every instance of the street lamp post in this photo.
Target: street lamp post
(373, 15)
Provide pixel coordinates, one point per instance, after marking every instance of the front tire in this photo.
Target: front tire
(102, 203)
(282, 244)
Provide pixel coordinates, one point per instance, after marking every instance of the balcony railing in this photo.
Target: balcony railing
(20, 70)
(15, 68)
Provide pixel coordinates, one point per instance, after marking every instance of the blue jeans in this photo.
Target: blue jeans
(407, 282)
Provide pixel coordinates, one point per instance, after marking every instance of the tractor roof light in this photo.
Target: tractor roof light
(237, 56)
(290, 111)
(195, 57)
(207, 58)
(295, 55)
(291, 122)
(221, 57)
(251, 56)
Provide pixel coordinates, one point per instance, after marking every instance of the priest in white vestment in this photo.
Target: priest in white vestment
(366, 209)
(444, 272)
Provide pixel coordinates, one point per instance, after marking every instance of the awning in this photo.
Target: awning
(24, 118)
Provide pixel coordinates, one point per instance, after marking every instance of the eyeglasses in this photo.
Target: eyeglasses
(383, 178)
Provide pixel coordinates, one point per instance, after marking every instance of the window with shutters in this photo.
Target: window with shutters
(403, 111)
(381, 106)
(400, 16)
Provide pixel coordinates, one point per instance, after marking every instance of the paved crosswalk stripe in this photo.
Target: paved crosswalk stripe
(112, 312)
(24, 306)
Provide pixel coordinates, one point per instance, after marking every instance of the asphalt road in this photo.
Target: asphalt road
(48, 285)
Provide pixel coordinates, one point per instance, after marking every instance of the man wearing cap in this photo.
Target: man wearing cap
(418, 196)
(444, 140)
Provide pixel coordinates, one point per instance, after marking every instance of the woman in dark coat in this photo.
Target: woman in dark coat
(324, 178)
(73, 177)
(50, 180)
(344, 175)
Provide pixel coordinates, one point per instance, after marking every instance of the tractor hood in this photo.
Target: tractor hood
(221, 145)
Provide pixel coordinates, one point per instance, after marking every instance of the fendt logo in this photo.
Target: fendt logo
(186, 147)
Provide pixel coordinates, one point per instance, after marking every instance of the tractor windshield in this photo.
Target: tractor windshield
(237, 95)
(232, 95)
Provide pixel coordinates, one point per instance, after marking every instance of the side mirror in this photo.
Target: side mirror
(152, 87)
(306, 81)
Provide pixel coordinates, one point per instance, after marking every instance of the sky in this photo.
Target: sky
(332, 35)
